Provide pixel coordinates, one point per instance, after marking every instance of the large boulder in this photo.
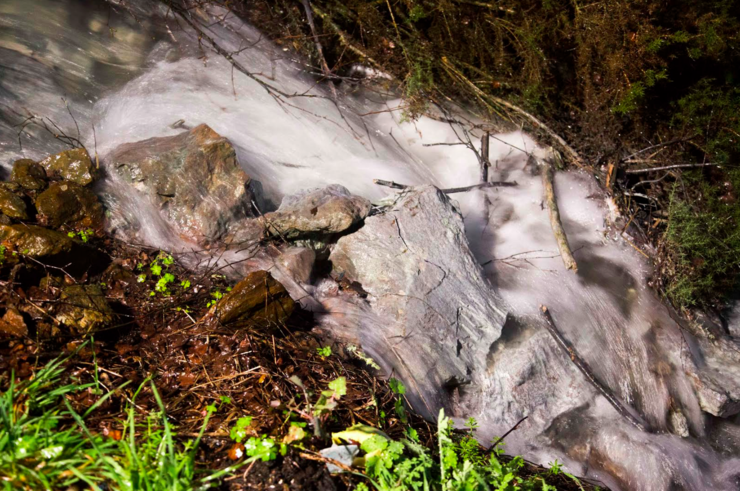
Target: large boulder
(256, 300)
(316, 213)
(84, 308)
(425, 289)
(28, 174)
(193, 177)
(71, 165)
(68, 203)
(12, 205)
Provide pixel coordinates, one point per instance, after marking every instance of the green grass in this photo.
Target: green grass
(45, 444)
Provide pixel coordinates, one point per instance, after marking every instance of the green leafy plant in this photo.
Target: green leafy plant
(324, 351)
(84, 235)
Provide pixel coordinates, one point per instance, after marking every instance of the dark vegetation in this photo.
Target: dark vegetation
(629, 84)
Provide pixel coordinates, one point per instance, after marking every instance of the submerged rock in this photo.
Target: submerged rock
(427, 290)
(28, 174)
(71, 165)
(84, 308)
(193, 177)
(316, 212)
(68, 203)
(12, 205)
(257, 299)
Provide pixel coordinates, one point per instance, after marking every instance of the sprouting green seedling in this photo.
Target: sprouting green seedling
(139, 266)
(83, 234)
(240, 429)
(471, 424)
(156, 269)
(162, 283)
(2, 253)
(167, 260)
(217, 295)
(141, 278)
(186, 309)
(225, 399)
(185, 284)
(399, 389)
(324, 351)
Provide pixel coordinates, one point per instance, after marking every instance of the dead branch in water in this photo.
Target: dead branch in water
(555, 223)
(493, 184)
(584, 368)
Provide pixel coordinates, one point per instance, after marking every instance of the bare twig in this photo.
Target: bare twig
(668, 167)
(493, 184)
(555, 223)
(322, 59)
(508, 432)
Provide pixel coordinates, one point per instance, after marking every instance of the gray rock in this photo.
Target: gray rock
(425, 289)
(193, 177)
(316, 212)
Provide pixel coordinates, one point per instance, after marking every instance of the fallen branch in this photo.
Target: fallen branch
(508, 432)
(484, 162)
(668, 167)
(319, 48)
(584, 368)
(493, 184)
(555, 223)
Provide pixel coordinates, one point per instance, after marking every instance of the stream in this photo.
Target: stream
(113, 73)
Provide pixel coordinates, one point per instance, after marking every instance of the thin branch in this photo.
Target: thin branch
(668, 167)
(555, 222)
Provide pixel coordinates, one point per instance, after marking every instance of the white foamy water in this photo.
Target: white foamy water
(136, 82)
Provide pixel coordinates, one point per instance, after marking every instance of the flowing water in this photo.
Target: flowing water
(111, 73)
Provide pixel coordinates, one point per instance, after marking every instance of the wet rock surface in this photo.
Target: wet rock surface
(256, 299)
(427, 290)
(35, 241)
(68, 203)
(193, 177)
(28, 174)
(316, 213)
(71, 165)
(12, 323)
(12, 205)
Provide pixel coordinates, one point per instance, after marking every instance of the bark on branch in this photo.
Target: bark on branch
(557, 226)
(493, 184)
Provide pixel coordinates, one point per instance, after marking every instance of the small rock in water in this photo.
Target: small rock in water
(28, 174)
(316, 212)
(72, 165)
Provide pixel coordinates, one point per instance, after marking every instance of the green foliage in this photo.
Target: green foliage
(240, 429)
(84, 235)
(329, 398)
(462, 464)
(703, 241)
(399, 389)
(2, 254)
(45, 444)
(324, 351)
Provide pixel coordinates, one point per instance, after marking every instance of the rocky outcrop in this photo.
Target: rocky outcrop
(84, 308)
(256, 300)
(316, 212)
(425, 289)
(71, 165)
(28, 174)
(193, 177)
(68, 203)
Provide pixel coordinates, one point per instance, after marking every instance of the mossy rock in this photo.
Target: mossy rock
(258, 299)
(68, 203)
(35, 241)
(84, 308)
(28, 174)
(12, 205)
(72, 165)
